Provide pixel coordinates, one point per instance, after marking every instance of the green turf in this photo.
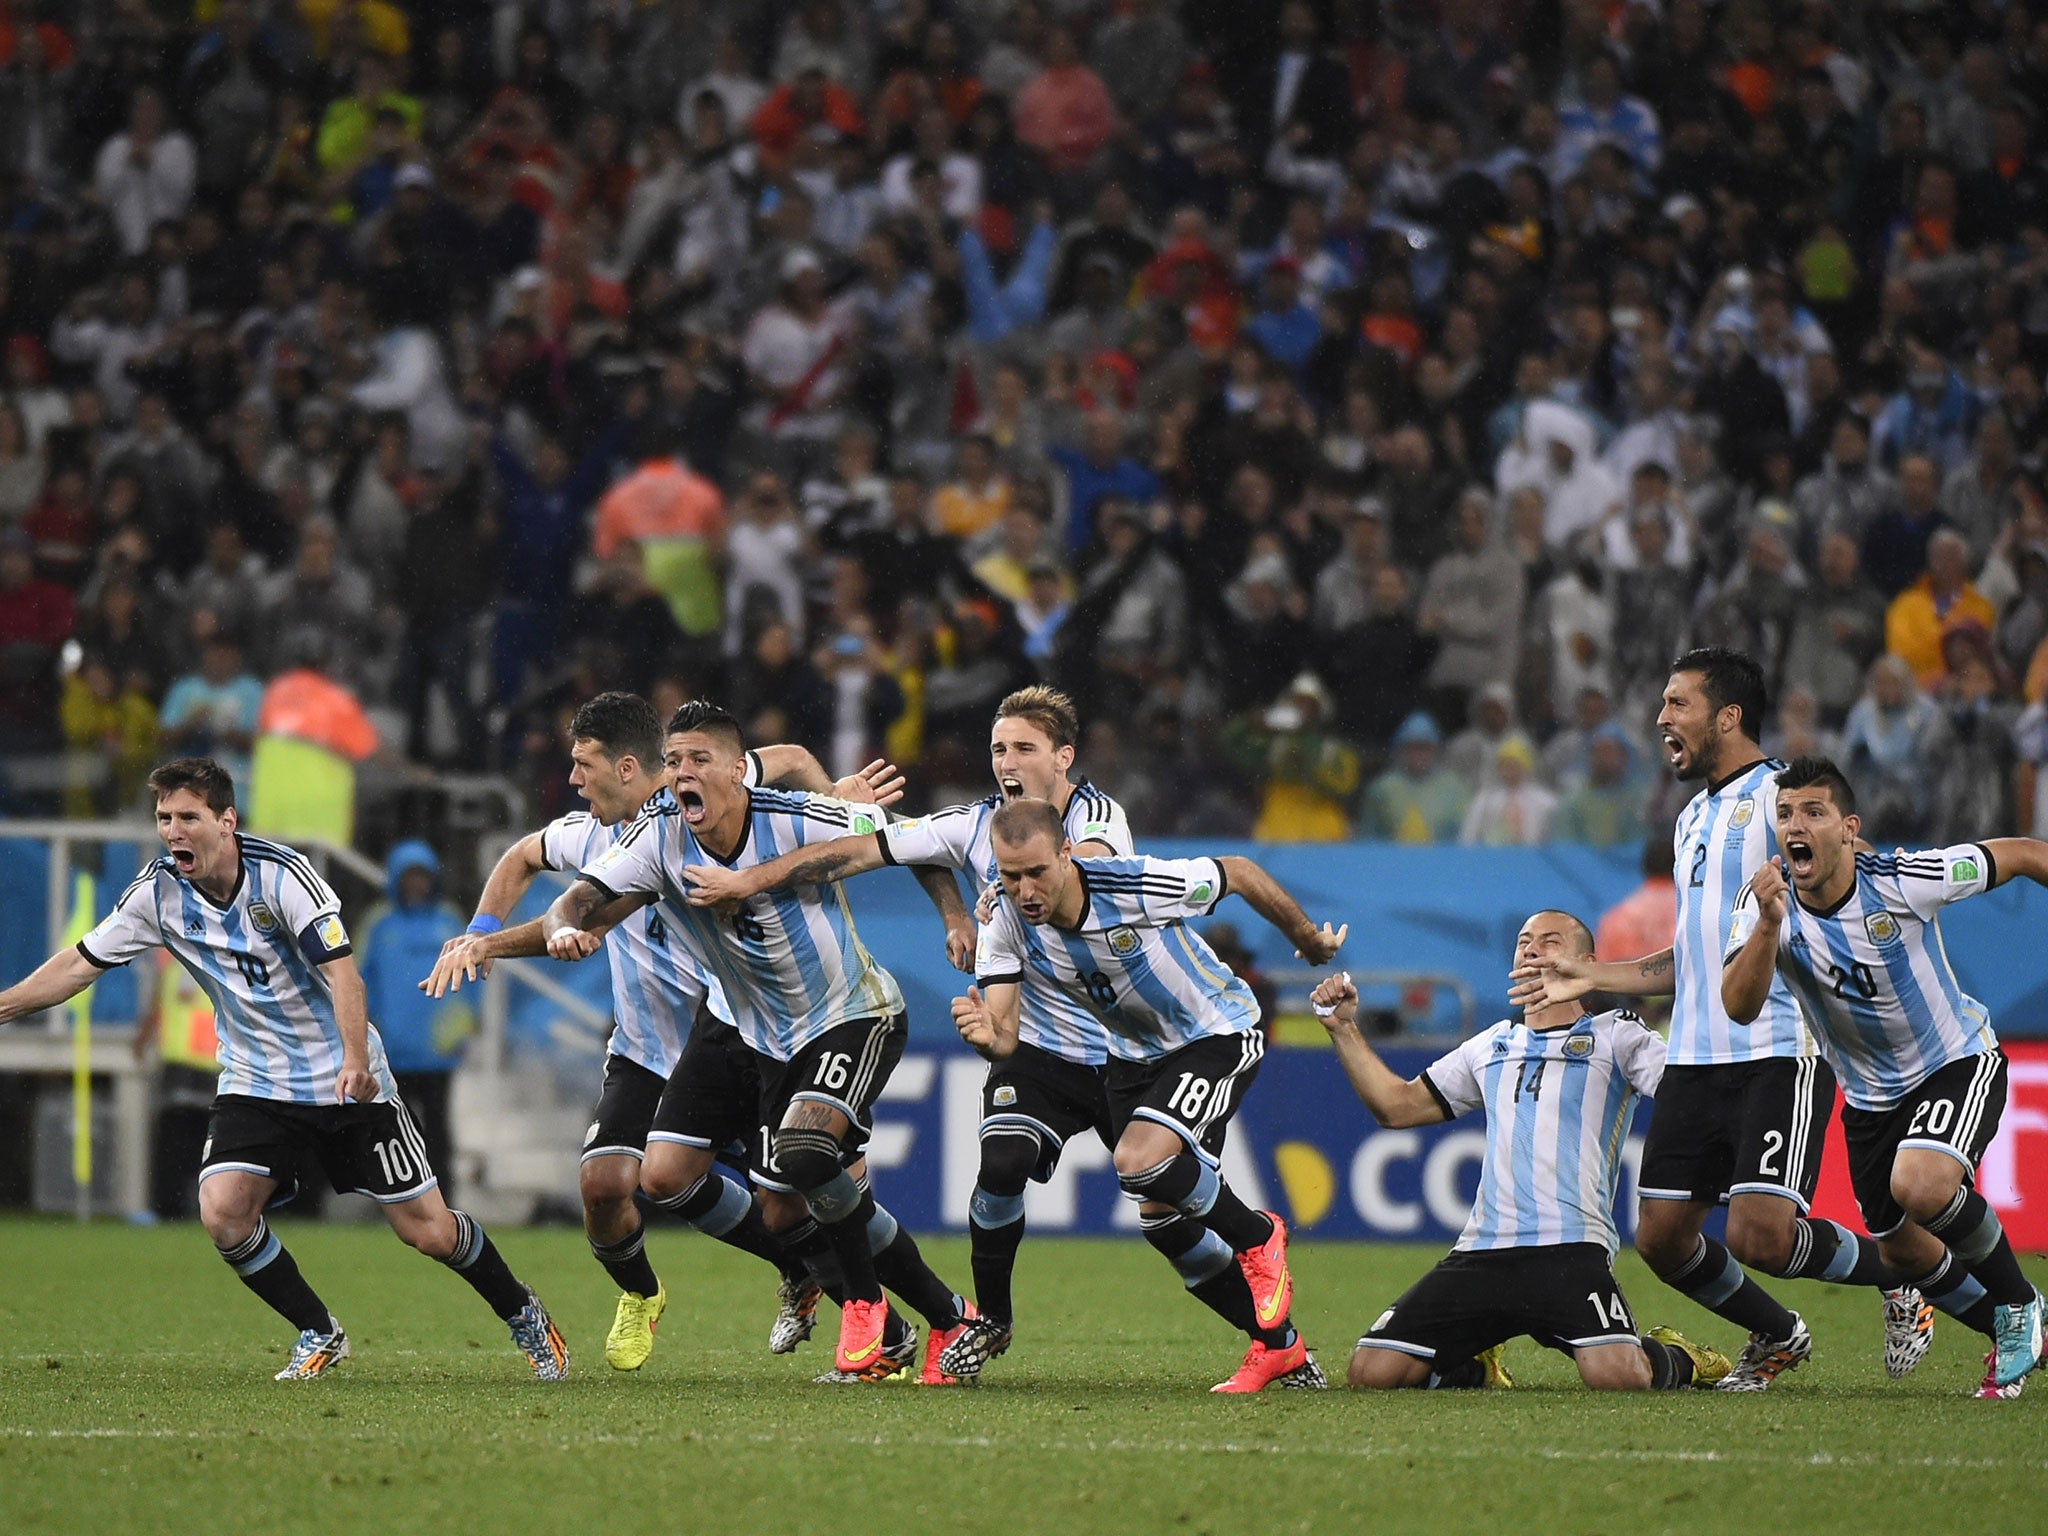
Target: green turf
(135, 1396)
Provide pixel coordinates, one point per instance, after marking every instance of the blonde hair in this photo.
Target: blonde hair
(1048, 709)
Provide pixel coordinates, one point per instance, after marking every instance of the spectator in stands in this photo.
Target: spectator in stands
(110, 726)
(1846, 494)
(1943, 599)
(1065, 112)
(396, 945)
(1975, 495)
(212, 712)
(677, 519)
(1605, 809)
(321, 603)
(1837, 631)
(145, 176)
(1417, 799)
(1515, 809)
(1471, 606)
(1101, 468)
(1887, 745)
(1304, 775)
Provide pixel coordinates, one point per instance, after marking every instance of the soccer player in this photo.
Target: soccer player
(825, 1023)
(1050, 1088)
(303, 1079)
(679, 1085)
(1537, 1254)
(1109, 935)
(1742, 1112)
(1858, 935)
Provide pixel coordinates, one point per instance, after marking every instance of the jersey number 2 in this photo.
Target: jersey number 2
(1699, 865)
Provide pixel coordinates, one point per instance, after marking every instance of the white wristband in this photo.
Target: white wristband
(561, 932)
(1324, 1011)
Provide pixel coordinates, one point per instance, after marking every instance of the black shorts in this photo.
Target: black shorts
(846, 1067)
(1738, 1128)
(1954, 1110)
(1046, 1097)
(1563, 1295)
(625, 1110)
(364, 1149)
(1192, 1091)
(713, 1098)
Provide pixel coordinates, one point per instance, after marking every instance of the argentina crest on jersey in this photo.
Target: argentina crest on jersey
(264, 919)
(1578, 1047)
(1123, 942)
(1743, 813)
(1882, 927)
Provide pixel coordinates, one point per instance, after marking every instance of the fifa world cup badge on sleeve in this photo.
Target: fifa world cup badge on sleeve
(332, 934)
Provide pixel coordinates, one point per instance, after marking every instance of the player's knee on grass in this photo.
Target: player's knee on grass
(1925, 1182)
(1384, 1370)
(1007, 1163)
(1761, 1232)
(1614, 1368)
(672, 1167)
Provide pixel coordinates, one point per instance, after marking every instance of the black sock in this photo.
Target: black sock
(1212, 1274)
(1975, 1235)
(477, 1260)
(266, 1266)
(1951, 1287)
(995, 1226)
(626, 1261)
(723, 1208)
(1712, 1278)
(1196, 1190)
(1458, 1376)
(1670, 1366)
(806, 1251)
(901, 1267)
(1822, 1250)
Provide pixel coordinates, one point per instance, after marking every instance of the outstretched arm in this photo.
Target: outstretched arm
(712, 885)
(466, 957)
(1567, 979)
(2025, 856)
(1267, 898)
(880, 783)
(575, 921)
(1395, 1102)
(57, 980)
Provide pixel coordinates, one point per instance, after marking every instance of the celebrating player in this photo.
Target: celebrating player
(1537, 1254)
(1742, 1112)
(1050, 1087)
(825, 1023)
(303, 1079)
(666, 1107)
(1108, 935)
(1859, 937)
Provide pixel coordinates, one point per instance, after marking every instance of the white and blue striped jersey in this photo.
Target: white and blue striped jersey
(1558, 1104)
(656, 985)
(1133, 962)
(1874, 975)
(1723, 837)
(257, 957)
(789, 963)
(958, 837)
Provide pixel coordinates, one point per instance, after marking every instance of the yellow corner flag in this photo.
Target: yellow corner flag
(81, 1043)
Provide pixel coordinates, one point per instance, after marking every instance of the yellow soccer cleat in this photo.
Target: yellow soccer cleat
(1494, 1362)
(631, 1340)
(1709, 1366)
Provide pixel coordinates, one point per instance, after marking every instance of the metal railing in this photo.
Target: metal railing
(1298, 981)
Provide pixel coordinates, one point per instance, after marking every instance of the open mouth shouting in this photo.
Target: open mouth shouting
(1799, 858)
(1011, 786)
(186, 860)
(1674, 748)
(693, 806)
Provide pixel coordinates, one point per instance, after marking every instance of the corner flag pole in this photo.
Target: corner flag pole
(81, 1053)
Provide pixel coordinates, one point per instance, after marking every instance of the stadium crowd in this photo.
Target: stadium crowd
(1354, 406)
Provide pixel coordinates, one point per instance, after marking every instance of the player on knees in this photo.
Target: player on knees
(671, 1092)
(1184, 1042)
(1858, 936)
(303, 1075)
(1051, 1088)
(1537, 1253)
(1743, 1109)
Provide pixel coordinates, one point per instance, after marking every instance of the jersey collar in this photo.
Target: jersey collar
(746, 832)
(1722, 783)
(241, 879)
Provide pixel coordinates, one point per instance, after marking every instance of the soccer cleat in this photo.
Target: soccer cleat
(1306, 1377)
(316, 1353)
(1709, 1365)
(1264, 1365)
(540, 1340)
(1908, 1330)
(798, 1317)
(1763, 1360)
(1265, 1271)
(977, 1343)
(1991, 1390)
(631, 1340)
(1494, 1362)
(895, 1352)
(2015, 1341)
(936, 1342)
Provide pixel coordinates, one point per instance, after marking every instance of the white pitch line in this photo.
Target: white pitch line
(1367, 1452)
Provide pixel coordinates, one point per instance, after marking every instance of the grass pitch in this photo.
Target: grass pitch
(135, 1396)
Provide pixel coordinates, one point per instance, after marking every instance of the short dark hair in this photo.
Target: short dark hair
(1019, 821)
(202, 775)
(1730, 678)
(1816, 772)
(711, 719)
(624, 724)
(1048, 709)
(1572, 921)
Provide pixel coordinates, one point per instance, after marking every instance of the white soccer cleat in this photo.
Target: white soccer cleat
(1764, 1360)
(316, 1353)
(1908, 1330)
